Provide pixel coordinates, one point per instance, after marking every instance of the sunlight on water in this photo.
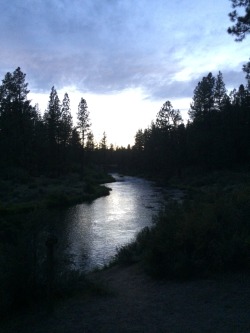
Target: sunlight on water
(96, 230)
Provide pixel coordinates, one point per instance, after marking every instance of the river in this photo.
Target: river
(94, 231)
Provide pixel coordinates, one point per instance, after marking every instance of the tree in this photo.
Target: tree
(83, 125)
(52, 122)
(17, 118)
(39, 145)
(220, 92)
(139, 140)
(168, 117)
(14, 88)
(83, 120)
(246, 69)
(103, 143)
(238, 97)
(52, 118)
(66, 121)
(90, 144)
(242, 22)
(203, 100)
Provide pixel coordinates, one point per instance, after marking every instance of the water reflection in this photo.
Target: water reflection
(94, 231)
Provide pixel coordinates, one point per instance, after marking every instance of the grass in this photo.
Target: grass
(25, 194)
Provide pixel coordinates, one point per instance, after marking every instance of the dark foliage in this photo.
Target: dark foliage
(242, 22)
(206, 235)
(217, 136)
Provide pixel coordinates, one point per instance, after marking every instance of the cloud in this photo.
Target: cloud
(233, 78)
(105, 46)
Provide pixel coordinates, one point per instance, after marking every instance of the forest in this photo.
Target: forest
(215, 137)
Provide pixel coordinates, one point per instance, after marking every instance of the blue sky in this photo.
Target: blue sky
(125, 57)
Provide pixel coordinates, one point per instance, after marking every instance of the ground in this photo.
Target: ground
(134, 302)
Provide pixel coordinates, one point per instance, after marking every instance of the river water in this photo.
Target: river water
(94, 231)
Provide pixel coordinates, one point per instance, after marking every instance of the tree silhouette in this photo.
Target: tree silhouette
(83, 126)
(139, 140)
(220, 92)
(83, 123)
(52, 118)
(90, 144)
(103, 143)
(17, 118)
(203, 99)
(246, 70)
(66, 121)
(52, 121)
(168, 117)
(242, 23)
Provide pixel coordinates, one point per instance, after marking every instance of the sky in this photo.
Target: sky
(124, 57)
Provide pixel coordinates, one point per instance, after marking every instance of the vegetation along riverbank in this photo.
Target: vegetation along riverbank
(21, 192)
(206, 233)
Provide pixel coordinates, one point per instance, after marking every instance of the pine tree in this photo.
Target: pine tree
(242, 25)
(66, 121)
(203, 100)
(103, 143)
(83, 125)
(16, 119)
(52, 122)
(220, 93)
(83, 120)
(168, 117)
(14, 88)
(52, 118)
(90, 145)
(246, 70)
(139, 140)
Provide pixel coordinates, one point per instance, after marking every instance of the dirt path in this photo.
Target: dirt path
(138, 304)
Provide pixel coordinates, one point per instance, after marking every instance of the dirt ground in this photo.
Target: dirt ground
(136, 303)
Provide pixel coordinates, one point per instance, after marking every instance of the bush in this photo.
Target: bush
(57, 199)
(200, 237)
(133, 252)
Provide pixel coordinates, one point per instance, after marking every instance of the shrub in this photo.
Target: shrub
(57, 199)
(133, 252)
(203, 236)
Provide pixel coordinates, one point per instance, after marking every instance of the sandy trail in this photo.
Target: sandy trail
(136, 303)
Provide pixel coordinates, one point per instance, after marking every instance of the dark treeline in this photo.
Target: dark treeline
(47, 144)
(217, 135)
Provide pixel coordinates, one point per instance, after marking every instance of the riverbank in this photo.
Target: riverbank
(25, 193)
(131, 301)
